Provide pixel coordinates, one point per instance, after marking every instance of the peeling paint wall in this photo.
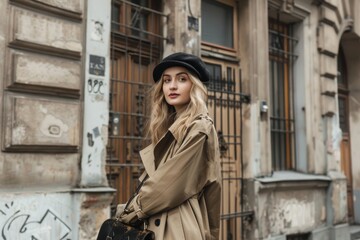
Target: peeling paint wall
(46, 109)
(52, 215)
(96, 95)
(41, 48)
(183, 35)
(41, 45)
(284, 208)
(49, 172)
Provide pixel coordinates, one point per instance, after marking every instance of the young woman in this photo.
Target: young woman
(181, 196)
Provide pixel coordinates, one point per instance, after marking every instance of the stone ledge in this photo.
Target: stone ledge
(93, 190)
(280, 176)
(294, 180)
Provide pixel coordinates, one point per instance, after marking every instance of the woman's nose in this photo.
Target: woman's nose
(173, 84)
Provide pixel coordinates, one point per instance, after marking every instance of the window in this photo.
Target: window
(343, 93)
(217, 23)
(281, 60)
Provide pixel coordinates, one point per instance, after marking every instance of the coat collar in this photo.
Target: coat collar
(147, 157)
(172, 127)
(148, 153)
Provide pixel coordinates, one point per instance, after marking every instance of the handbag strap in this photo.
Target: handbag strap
(135, 193)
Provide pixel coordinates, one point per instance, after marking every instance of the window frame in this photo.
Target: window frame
(212, 47)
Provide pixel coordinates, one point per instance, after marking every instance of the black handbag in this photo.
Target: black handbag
(113, 229)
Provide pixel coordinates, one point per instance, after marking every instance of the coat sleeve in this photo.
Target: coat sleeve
(179, 178)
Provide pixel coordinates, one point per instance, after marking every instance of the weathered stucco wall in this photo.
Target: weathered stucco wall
(181, 37)
(38, 216)
(42, 81)
(41, 45)
(49, 172)
(253, 26)
(42, 57)
(298, 207)
(52, 215)
(288, 204)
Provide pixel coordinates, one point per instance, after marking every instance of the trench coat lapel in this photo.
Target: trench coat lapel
(147, 157)
(148, 154)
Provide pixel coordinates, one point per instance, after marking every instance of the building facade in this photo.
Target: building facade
(52, 183)
(284, 95)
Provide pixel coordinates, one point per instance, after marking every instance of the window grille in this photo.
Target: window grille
(282, 57)
(225, 101)
(219, 83)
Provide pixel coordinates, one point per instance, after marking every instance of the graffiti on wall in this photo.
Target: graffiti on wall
(95, 86)
(43, 225)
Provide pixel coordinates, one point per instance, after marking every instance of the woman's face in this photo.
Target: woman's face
(176, 87)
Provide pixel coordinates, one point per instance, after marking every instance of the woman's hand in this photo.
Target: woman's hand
(119, 210)
(128, 216)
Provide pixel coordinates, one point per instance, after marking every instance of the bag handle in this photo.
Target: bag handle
(135, 193)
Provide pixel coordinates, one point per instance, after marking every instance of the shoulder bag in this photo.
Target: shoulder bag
(113, 229)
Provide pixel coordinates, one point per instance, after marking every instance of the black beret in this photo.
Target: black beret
(191, 62)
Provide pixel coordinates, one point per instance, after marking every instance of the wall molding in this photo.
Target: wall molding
(76, 16)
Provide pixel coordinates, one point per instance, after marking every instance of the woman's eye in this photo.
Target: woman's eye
(166, 80)
(182, 78)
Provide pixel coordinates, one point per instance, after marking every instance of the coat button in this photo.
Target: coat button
(157, 222)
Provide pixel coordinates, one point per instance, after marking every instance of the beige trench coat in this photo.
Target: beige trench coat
(182, 196)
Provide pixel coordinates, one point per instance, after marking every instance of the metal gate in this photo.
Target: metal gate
(225, 107)
(136, 47)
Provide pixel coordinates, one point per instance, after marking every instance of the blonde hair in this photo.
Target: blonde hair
(164, 115)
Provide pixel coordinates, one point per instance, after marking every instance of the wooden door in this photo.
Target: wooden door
(136, 47)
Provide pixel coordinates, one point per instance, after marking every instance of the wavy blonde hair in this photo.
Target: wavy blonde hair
(164, 115)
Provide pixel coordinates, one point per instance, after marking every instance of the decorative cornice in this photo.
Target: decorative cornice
(38, 48)
(290, 8)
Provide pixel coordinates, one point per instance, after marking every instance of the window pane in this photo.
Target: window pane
(217, 23)
(343, 115)
(139, 18)
(343, 92)
(341, 69)
(215, 82)
(115, 17)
